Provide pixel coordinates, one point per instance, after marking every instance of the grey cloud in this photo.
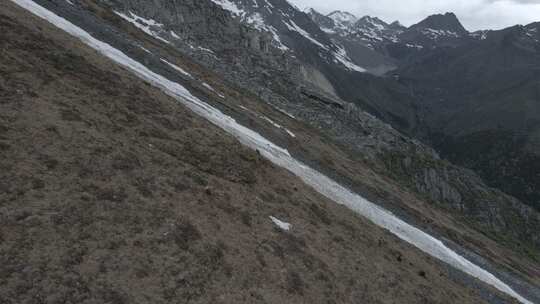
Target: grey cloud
(518, 1)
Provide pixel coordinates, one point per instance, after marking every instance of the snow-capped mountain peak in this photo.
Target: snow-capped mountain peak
(372, 22)
(368, 29)
(448, 23)
(373, 30)
(343, 19)
(310, 10)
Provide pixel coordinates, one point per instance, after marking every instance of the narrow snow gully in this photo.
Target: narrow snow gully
(280, 156)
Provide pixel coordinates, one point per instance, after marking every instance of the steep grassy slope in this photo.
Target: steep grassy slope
(113, 193)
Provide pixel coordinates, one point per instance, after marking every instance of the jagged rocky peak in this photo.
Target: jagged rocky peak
(396, 25)
(374, 30)
(324, 22)
(311, 11)
(439, 22)
(345, 19)
(372, 24)
(368, 21)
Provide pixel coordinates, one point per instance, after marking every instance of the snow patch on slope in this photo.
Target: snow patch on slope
(229, 6)
(327, 30)
(282, 225)
(295, 28)
(177, 68)
(273, 123)
(210, 88)
(438, 34)
(256, 20)
(175, 36)
(342, 57)
(291, 134)
(280, 156)
(146, 25)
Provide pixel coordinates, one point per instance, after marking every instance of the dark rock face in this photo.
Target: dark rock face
(502, 158)
(198, 23)
(323, 21)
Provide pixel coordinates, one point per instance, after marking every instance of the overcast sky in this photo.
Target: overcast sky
(474, 14)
